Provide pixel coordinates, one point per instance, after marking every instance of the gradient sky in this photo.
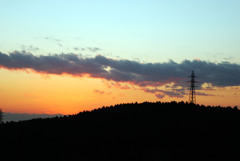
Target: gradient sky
(151, 34)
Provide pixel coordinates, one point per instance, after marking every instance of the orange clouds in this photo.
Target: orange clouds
(120, 81)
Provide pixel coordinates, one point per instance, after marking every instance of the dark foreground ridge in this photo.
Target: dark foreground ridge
(128, 132)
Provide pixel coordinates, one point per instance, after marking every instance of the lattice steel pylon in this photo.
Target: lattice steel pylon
(192, 92)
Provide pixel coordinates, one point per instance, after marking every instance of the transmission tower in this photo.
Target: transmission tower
(192, 92)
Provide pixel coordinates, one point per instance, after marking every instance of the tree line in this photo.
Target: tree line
(132, 131)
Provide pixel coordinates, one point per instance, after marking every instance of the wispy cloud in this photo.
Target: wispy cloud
(148, 74)
(55, 40)
(204, 94)
(98, 91)
(169, 92)
(93, 49)
(76, 49)
(29, 48)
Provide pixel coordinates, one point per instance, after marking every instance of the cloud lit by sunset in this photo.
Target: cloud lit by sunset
(70, 58)
(69, 83)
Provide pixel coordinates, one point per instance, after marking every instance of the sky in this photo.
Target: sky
(63, 57)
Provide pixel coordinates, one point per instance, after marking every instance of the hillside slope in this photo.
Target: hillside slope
(146, 131)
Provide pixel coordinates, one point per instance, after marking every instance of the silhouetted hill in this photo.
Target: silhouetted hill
(147, 131)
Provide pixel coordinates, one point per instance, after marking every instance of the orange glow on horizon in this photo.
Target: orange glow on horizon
(22, 92)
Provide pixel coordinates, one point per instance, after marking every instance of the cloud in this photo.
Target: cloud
(117, 85)
(93, 49)
(141, 74)
(160, 96)
(98, 91)
(29, 48)
(121, 86)
(162, 93)
(55, 40)
(76, 49)
(203, 94)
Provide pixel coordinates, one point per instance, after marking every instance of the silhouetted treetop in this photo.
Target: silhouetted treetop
(132, 131)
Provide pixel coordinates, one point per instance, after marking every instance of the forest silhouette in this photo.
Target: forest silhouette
(146, 131)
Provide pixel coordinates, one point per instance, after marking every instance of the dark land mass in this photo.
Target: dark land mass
(128, 132)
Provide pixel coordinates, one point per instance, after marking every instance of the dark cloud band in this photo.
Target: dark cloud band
(221, 74)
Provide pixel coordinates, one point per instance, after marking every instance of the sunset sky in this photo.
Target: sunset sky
(66, 56)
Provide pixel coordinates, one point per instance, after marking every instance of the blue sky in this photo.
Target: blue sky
(143, 30)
